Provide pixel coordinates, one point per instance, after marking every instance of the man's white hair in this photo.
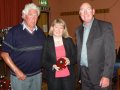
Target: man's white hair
(29, 7)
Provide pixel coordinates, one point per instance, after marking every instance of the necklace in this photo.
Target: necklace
(58, 41)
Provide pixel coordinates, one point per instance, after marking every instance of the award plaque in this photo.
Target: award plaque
(61, 63)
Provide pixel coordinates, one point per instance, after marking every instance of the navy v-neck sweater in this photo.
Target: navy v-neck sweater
(25, 49)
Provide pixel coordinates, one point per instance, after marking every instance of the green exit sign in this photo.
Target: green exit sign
(44, 2)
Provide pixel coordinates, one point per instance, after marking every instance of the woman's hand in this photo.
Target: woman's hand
(67, 61)
(56, 67)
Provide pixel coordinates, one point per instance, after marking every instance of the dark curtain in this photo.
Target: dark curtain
(11, 11)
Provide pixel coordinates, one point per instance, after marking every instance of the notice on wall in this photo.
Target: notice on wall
(45, 29)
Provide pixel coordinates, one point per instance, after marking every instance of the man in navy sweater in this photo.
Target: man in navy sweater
(22, 49)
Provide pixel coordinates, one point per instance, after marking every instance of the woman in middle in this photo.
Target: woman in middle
(59, 57)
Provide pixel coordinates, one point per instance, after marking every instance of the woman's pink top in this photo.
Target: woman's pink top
(60, 52)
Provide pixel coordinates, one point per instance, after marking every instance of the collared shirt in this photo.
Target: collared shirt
(84, 58)
(25, 27)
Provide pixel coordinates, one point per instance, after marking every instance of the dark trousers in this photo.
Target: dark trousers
(65, 83)
(86, 82)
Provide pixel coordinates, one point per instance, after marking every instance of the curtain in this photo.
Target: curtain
(11, 11)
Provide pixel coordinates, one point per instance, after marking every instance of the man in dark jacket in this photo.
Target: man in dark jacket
(96, 50)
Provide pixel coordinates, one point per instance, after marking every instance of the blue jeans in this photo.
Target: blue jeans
(30, 83)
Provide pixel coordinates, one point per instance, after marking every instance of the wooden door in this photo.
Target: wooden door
(43, 21)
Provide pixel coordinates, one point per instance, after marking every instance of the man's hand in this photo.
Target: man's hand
(104, 82)
(20, 75)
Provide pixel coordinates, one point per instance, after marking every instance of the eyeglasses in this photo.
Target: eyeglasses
(82, 10)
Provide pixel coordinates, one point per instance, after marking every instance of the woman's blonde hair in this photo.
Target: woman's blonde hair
(61, 22)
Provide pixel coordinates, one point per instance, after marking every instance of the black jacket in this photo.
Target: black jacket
(49, 58)
(100, 50)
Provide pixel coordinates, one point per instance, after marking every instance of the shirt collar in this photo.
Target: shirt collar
(25, 27)
(89, 24)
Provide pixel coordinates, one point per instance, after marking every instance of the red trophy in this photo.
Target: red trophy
(61, 63)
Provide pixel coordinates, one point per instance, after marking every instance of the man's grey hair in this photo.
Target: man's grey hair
(29, 7)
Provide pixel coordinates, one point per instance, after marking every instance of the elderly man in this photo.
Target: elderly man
(22, 50)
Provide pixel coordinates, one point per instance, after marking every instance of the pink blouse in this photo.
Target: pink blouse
(60, 52)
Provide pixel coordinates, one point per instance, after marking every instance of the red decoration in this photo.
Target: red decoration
(4, 83)
(61, 63)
